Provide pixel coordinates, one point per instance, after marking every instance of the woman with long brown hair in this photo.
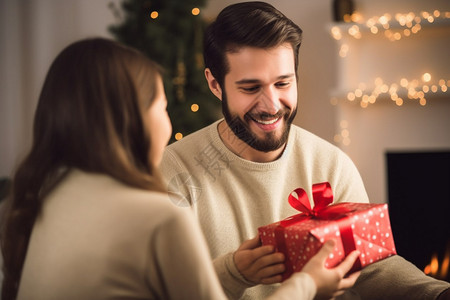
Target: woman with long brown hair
(88, 216)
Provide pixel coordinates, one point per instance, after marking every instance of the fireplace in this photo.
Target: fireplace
(419, 206)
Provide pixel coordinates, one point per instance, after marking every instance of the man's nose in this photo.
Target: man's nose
(269, 101)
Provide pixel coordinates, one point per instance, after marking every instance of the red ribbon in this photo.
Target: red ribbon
(322, 196)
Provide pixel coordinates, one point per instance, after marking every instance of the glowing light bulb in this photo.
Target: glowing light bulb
(426, 77)
(383, 20)
(194, 107)
(425, 14)
(195, 11)
(393, 88)
(344, 50)
(357, 17)
(154, 14)
(394, 97)
(371, 22)
(353, 30)
(351, 96)
(347, 18)
(404, 82)
(336, 33)
(178, 136)
(345, 133)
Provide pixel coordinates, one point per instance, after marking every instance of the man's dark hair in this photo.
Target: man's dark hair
(248, 24)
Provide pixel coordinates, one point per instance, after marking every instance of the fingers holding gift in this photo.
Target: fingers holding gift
(260, 264)
(331, 282)
(251, 243)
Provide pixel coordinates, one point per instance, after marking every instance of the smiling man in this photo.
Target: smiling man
(259, 100)
(237, 173)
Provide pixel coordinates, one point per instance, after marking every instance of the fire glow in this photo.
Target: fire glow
(437, 270)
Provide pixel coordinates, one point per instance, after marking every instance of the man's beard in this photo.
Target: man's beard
(242, 130)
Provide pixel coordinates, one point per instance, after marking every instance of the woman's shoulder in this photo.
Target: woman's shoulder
(100, 190)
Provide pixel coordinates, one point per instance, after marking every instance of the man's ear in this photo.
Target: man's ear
(214, 86)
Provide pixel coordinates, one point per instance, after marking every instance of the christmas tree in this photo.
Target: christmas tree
(170, 32)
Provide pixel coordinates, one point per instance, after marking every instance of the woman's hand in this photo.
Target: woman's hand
(331, 282)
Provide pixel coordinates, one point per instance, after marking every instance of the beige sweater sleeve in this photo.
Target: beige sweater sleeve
(298, 286)
(233, 283)
(184, 260)
(190, 266)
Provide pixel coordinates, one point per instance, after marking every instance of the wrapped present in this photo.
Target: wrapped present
(353, 226)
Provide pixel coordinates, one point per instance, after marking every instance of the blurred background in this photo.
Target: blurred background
(373, 79)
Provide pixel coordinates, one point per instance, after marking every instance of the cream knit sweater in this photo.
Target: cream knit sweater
(232, 197)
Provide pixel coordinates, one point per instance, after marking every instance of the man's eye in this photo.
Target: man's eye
(251, 89)
(283, 84)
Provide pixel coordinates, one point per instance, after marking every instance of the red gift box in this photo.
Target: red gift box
(353, 226)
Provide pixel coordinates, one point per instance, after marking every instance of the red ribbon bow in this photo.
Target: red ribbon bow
(322, 196)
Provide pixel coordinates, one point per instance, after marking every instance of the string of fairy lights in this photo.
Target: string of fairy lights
(395, 28)
(414, 90)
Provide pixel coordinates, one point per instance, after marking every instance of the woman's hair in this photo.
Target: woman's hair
(248, 24)
(90, 116)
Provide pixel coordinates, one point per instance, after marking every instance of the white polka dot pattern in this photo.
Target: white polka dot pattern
(369, 223)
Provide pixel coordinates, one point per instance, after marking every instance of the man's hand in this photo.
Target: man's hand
(259, 264)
